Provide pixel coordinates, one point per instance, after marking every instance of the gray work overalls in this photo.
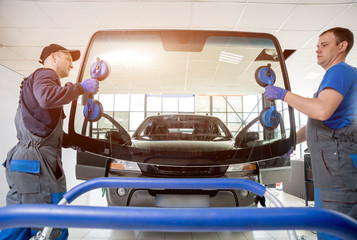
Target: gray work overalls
(334, 165)
(34, 167)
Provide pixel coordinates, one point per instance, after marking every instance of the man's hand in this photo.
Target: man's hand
(90, 85)
(272, 92)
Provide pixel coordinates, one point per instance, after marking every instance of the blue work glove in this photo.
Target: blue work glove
(272, 92)
(90, 85)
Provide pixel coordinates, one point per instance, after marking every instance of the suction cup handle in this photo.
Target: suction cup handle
(265, 75)
(100, 70)
(269, 74)
(93, 110)
(269, 118)
(95, 70)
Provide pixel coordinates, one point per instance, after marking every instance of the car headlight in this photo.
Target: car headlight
(242, 167)
(124, 165)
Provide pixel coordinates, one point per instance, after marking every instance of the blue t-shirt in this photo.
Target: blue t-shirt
(342, 78)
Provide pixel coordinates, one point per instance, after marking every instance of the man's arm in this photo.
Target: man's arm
(320, 108)
(50, 94)
(301, 135)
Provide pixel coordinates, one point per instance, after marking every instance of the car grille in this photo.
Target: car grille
(211, 193)
(182, 171)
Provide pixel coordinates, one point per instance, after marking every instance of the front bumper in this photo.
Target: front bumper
(178, 197)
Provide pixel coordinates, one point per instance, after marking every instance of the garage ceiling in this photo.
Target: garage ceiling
(27, 26)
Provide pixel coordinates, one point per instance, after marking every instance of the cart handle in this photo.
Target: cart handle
(165, 183)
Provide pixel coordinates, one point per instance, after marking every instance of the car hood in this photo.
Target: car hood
(185, 146)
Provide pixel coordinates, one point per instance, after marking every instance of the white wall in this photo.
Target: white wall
(9, 97)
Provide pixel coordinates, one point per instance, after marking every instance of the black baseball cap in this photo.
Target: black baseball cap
(55, 48)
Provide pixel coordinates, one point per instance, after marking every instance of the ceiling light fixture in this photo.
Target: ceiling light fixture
(230, 57)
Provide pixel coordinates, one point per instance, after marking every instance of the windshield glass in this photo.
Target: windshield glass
(172, 73)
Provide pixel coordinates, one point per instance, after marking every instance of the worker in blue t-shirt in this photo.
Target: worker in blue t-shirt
(331, 130)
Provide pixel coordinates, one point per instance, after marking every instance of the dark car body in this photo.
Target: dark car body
(184, 145)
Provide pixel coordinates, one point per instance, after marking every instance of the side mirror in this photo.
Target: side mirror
(120, 135)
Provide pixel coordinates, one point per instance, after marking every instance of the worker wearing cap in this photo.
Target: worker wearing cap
(33, 167)
(331, 130)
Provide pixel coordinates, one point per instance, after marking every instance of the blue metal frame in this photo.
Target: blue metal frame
(165, 183)
(176, 219)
